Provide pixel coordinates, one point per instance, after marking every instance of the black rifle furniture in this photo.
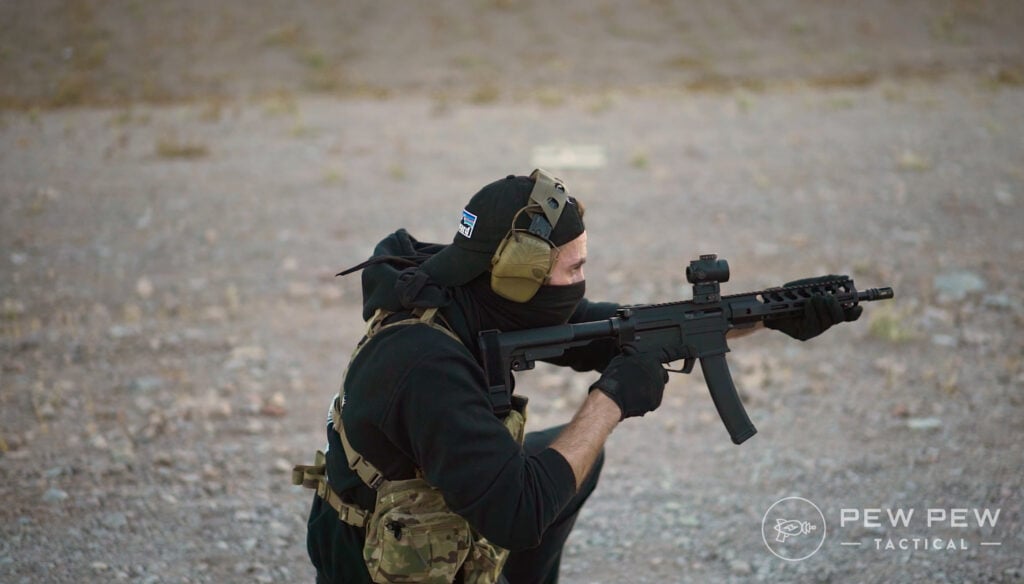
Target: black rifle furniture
(700, 325)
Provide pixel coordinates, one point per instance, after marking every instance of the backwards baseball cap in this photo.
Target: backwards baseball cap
(486, 221)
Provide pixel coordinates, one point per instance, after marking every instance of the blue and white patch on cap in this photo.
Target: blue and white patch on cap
(467, 223)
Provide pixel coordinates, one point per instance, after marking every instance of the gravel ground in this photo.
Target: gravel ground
(172, 330)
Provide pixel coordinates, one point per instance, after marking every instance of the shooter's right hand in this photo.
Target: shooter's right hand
(636, 381)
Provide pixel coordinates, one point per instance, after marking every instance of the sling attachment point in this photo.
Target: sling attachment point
(314, 476)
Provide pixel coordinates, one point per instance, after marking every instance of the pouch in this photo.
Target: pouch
(413, 537)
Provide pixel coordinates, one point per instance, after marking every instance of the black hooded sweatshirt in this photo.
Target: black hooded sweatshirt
(416, 398)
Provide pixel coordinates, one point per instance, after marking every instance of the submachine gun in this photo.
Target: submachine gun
(700, 325)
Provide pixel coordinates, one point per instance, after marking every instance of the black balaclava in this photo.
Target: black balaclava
(551, 305)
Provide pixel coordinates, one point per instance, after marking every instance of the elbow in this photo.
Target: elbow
(518, 523)
(514, 538)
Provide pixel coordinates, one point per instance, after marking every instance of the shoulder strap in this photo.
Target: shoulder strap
(366, 471)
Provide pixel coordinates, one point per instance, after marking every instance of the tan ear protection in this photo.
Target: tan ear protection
(524, 259)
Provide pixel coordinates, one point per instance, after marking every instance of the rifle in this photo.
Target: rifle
(699, 324)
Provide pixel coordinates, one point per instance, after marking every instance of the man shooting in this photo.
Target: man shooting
(428, 477)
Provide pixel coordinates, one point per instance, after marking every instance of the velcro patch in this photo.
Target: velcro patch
(467, 223)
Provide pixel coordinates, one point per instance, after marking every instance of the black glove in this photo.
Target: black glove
(636, 381)
(820, 313)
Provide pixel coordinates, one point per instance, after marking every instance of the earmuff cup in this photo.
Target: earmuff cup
(524, 259)
(521, 264)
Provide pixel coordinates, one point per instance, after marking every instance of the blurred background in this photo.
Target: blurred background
(180, 181)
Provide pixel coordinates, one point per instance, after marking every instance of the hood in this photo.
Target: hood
(391, 280)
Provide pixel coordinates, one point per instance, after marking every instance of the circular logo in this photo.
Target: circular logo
(793, 529)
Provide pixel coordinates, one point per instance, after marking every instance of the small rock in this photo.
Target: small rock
(997, 301)
(99, 442)
(144, 220)
(211, 473)
(132, 313)
(740, 568)
(1003, 195)
(99, 566)
(232, 297)
(273, 410)
(54, 472)
(114, 520)
(290, 264)
(932, 316)
(274, 407)
(18, 258)
(955, 286)
(248, 353)
(245, 356)
(13, 308)
(54, 495)
(123, 453)
(688, 521)
(254, 426)
(909, 160)
(924, 423)
(122, 332)
(944, 341)
(146, 383)
(299, 290)
(144, 288)
(330, 294)
(973, 336)
(47, 411)
(215, 314)
(49, 193)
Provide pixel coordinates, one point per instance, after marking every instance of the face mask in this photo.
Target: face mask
(551, 305)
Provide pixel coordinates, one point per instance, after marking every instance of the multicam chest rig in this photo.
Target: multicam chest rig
(411, 534)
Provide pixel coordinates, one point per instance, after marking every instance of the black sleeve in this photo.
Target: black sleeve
(442, 416)
(595, 355)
